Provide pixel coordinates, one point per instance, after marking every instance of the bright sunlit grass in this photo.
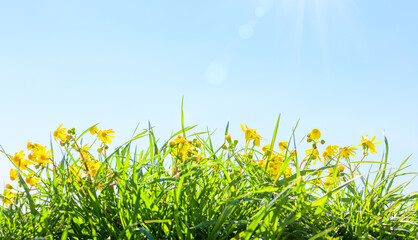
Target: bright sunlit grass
(208, 191)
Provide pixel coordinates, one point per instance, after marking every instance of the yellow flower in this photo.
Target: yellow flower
(8, 186)
(266, 148)
(277, 157)
(327, 183)
(288, 172)
(24, 163)
(75, 170)
(346, 152)
(196, 143)
(313, 154)
(283, 145)
(368, 144)
(8, 196)
(40, 155)
(32, 180)
(30, 146)
(105, 136)
(93, 167)
(16, 158)
(315, 134)
(93, 130)
(341, 168)
(330, 151)
(13, 174)
(257, 139)
(44, 157)
(248, 132)
(60, 133)
(228, 137)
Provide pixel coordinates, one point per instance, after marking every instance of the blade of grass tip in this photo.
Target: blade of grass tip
(182, 118)
(386, 154)
(85, 131)
(156, 151)
(151, 144)
(210, 139)
(181, 131)
(139, 135)
(296, 159)
(136, 129)
(227, 128)
(273, 139)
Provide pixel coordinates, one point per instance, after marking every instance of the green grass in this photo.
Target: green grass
(157, 193)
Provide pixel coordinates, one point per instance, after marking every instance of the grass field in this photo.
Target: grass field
(188, 187)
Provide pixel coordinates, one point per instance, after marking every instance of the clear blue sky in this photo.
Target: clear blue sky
(346, 67)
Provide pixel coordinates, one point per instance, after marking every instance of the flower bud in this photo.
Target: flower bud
(322, 141)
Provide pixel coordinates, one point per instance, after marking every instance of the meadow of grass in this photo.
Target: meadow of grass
(190, 188)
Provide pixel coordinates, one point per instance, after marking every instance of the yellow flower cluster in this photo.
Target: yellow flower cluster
(251, 134)
(182, 150)
(274, 165)
(8, 197)
(40, 156)
(334, 151)
(185, 150)
(368, 145)
(273, 161)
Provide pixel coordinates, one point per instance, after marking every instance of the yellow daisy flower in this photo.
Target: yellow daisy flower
(8, 196)
(283, 145)
(368, 144)
(346, 152)
(60, 133)
(13, 174)
(32, 180)
(105, 136)
(93, 130)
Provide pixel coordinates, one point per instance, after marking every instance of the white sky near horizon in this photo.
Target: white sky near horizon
(347, 68)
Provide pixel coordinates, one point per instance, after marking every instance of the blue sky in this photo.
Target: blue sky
(345, 67)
